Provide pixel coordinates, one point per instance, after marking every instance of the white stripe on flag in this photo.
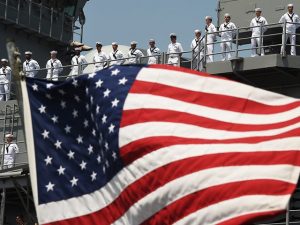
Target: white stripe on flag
(147, 101)
(138, 131)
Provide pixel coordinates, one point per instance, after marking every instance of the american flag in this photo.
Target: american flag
(159, 145)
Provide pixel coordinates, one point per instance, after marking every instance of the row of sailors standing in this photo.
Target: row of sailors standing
(227, 32)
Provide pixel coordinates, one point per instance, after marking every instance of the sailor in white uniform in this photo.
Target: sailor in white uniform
(153, 52)
(174, 51)
(255, 23)
(290, 17)
(197, 47)
(5, 80)
(228, 32)
(116, 55)
(134, 54)
(9, 150)
(211, 38)
(54, 66)
(79, 63)
(100, 58)
(30, 66)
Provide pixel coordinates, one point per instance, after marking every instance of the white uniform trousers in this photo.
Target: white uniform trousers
(255, 44)
(292, 38)
(226, 47)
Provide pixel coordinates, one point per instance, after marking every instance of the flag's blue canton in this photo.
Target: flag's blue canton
(76, 125)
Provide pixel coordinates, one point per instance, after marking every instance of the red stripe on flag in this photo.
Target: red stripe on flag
(223, 102)
(141, 147)
(213, 195)
(160, 115)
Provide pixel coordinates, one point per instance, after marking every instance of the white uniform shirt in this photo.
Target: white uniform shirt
(174, 48)
(100, 59)
(78, 60)
(54, 68)
(29, 65)
(5, 74)
(227, 35)
(10, 151)
(134, 55)
(255, 23)
(291, 18)
(116, 55)
(154, 55)
(210, 29)
(195, 42)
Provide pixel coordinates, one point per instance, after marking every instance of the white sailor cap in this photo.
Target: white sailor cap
(114, 43)
(173, 35)
(227, 15)
(208, 18)
(258, 10)
(9, 136)
(53, 52)
(151, 40)
(133, 43)
(77, 49)
(98, 43)
(28, 53)
(290, 5)
(197, 31)
(4, 60)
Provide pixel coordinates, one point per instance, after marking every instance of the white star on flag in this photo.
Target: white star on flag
(48, 160)
(111, 128)
(61, 170)
(42, 109)
(54, 119)
(68, 129)
(71, 154)
(74, 181)
(123, 81)
(45, 134)
(115, 103)
(93, 176)
(106, 93)
(99, 83)
(115, 72)
(79, 139)
(83, 165)
(58, 144)
(35, 87)
(50, 187)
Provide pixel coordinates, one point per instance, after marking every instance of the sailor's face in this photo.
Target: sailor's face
(9, 139)
(197, 34)
(133, 46)
(28, 56)
(208, 21)
(152, 44)
(290, 9)
(4, 63)
(77, 52)
(258, 13)
(53, 55)
(227, 19)
(173, 39)
(99, 47)
(114, 47)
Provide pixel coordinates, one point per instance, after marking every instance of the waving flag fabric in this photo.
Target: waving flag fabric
(159, 145)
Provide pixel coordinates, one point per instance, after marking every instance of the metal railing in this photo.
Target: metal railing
(237, 42)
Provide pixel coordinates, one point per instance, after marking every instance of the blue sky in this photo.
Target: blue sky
(139, 20)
